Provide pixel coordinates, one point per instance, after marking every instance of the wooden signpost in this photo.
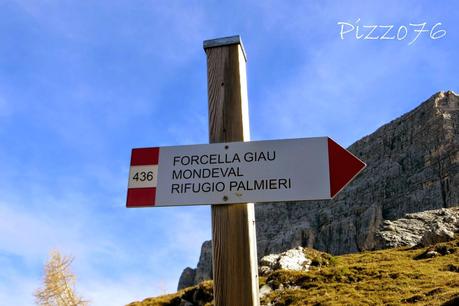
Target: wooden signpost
(234, 171)
(234, 248)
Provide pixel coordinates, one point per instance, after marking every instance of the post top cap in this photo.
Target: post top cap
(225, 41)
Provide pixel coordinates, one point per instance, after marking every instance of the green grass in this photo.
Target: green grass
(388, 277)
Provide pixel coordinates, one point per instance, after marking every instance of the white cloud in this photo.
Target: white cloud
(16, 288)
(111, 264)
(338, 83)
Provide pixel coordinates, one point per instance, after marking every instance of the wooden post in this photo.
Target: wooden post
(234, 249)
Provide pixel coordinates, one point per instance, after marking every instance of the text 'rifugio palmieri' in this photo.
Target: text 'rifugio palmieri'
(200, 173)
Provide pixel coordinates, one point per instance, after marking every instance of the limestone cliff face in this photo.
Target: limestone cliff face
(412, 166)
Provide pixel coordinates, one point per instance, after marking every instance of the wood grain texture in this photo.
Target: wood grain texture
(234, 253)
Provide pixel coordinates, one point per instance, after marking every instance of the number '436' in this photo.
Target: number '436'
(143, 176)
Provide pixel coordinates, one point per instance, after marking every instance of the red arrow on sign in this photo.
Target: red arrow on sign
(343, 165)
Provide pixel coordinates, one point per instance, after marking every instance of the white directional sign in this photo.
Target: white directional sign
(240, 172)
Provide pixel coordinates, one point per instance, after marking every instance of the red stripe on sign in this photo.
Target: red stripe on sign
(141, 197)
(343, 167)
(144, 156)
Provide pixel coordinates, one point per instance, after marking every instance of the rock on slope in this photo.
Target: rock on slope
(420, 229)
(202, 272)
(413, 164)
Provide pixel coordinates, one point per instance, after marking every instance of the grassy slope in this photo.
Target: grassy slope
(386, 277)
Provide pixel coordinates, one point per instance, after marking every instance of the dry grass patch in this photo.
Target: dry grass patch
(200, 295)
(386, 277)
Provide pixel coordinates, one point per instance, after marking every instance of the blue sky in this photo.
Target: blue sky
(83, 82)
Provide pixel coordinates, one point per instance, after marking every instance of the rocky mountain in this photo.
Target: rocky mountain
(412, 166)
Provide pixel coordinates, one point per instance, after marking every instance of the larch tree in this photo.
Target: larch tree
(59, 284)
